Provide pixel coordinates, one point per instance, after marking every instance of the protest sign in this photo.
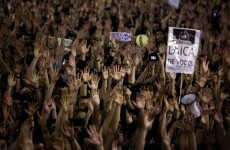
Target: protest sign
(182, 50)
(121, 36)
(174, 3)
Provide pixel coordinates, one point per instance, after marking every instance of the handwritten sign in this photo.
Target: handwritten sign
(182, 50)
(121, 36)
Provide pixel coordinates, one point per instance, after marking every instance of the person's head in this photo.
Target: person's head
(156, 25)
(171, 22)
(82, 103)
(160, 35)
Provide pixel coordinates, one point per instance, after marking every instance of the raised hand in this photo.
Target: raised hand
(84, 48)
(58, 144)
(105, 73)
(115, 73)
(165, 139)
(8, 99)
(140, 102)
(68, 130)
(34, 79)
(95, 138)
(218, 117)
(66, 103)
(31, 109)
(95, 97)
(17, 68)
(37, 51)
(206, 96)
(188, 79)
(11, 81)
(54, 75)
(12, 124)
(118, 97)
(204, 64)
(202, 80)
(42, 119)
(188, 123)
(129, 118)
(146, 93)
(162, 48)
(94, 82)
(86, 76)
(172, 75)
(74, 83)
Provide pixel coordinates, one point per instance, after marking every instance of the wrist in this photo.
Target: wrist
(71, 139)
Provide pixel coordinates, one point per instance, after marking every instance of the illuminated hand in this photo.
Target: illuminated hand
(86, 76)
(204, 64)
(95, 97)
(84, 48)
(140, 102)
(105, 73)
(68, 130)
(94, 82)
(115, 73)
(54, 75)
(31, 109)
(206, 96)
(10, 80)
(8, 99)
(202, 80)
(74, 83)
(95, 138)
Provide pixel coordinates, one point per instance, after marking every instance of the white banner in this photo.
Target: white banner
(174, 3)
(121, 36)
(182, 50)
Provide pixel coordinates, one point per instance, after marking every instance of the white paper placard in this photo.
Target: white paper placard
(174, 3)
(182, 50)
(121, 36)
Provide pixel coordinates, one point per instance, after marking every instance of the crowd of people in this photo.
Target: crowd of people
(100, 93)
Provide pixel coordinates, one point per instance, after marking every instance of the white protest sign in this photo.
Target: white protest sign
(182, 50)
(174, 3)
(121, 36)
(67, 43)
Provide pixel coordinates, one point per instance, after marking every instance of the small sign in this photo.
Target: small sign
(121, 36)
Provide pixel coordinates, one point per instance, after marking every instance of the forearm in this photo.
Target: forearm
(74, 144)
(97, 116)
(62, 117)
(132, 75)
(38, 96)
(163, 123)
(50, 91)
(103, 87)
(116, 118)
(47, 138)
(107, 121)
(220, 133)
(83, 90)
(17, 88)
(32, 66)
(47, 83)
(172, 88)
(140, 143)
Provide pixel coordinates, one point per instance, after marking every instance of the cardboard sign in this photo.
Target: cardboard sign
(182, 50)
(174, 3)
(121, 36)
